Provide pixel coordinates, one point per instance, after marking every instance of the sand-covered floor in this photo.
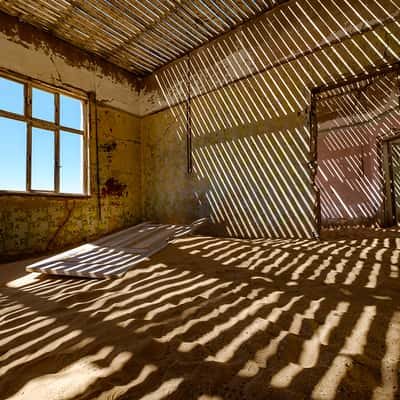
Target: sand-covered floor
(209, 318)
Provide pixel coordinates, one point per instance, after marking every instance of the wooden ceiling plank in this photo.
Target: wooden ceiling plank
(136, 38)
(137, 35)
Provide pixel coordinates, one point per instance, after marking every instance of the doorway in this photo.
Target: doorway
(357, 162)
(391, 173)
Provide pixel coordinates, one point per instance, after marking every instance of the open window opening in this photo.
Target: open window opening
(358, 157)
(43, 139)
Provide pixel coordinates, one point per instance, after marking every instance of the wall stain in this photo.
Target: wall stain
(39, 224)
(108, 147)
(113, 188)
(27, 35)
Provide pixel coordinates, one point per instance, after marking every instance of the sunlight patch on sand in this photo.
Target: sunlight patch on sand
(164, 390)
(24, 280)
(74, 379)
(326, 389)
(390, 362)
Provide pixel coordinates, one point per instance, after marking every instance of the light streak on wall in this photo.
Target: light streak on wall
(251, 92)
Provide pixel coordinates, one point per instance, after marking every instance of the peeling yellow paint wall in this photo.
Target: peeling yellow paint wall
(34, 224)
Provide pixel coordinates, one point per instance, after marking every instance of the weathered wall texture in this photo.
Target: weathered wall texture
(249, 179)
(36, 54)
(34, 224)
(352, 120)
(250, 96)
(249, 116)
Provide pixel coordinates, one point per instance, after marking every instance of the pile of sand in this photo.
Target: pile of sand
(211, 318)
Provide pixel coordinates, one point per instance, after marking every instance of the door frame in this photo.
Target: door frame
(313, 128)
(389, 215)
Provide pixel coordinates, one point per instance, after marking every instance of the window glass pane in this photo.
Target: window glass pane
(12, 97)
(42, 159)
(71, 162)
(12, 154)
(43, 105)
(71, 112)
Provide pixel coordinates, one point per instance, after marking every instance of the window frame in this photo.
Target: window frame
(55, 127)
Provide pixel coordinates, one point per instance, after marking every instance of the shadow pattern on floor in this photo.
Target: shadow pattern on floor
(212, 318)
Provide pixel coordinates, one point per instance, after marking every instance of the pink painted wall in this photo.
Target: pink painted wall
(351, 120)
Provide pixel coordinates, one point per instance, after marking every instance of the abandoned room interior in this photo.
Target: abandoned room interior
(199, 199)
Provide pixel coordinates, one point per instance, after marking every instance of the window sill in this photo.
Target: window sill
(44, 194)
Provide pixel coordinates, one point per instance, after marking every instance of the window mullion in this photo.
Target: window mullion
(86, 147)
(57, 144)
(28, 115)
(32, 110)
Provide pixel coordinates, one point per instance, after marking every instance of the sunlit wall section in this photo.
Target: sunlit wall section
(245, 100)
(351, 121)
(328, 40)
(256, 185)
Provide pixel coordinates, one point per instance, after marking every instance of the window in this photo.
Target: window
(43, 138)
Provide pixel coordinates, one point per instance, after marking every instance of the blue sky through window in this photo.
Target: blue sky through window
(71, 161)
(71, 114)
(12, 97)
(12, 154)
(13, 141)
(42, 159)
(43, 105)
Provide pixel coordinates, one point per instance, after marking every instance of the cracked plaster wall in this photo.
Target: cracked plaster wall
(36, 224)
